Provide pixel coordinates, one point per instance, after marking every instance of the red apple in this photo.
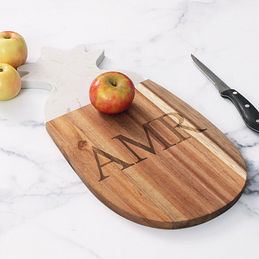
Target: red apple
(10, 82)
(13, 49)
(112, 92)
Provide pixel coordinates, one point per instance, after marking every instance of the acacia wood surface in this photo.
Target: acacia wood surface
(160, 163)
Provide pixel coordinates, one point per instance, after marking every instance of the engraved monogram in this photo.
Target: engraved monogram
(178, 130)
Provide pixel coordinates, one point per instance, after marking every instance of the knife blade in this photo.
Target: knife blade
(248, 112)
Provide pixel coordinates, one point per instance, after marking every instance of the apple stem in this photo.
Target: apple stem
(1, 70)
(113, 83)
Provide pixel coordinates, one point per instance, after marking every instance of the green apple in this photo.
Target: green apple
(13, 49)
(10, 82)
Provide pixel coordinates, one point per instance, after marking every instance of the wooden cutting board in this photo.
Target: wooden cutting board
(160, 163)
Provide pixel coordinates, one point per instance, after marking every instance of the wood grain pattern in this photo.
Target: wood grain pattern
(160, 164)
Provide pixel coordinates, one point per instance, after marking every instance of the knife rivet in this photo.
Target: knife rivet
(257, 120)
(235, 92)
(247, 105)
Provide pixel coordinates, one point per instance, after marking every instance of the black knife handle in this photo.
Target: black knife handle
(248, 112)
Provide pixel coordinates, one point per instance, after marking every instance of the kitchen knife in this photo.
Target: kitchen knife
(248, 112)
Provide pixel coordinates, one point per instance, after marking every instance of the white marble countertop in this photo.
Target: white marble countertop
(45, 210)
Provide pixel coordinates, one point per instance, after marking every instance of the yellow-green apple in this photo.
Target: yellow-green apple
(13, 49)
(112, 92)
(10, 82)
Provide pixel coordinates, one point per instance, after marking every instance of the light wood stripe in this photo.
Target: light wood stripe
(199, 136)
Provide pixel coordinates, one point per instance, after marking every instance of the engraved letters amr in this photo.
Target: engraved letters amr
(178, 130)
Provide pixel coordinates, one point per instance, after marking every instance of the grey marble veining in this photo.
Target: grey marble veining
(45, 210)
